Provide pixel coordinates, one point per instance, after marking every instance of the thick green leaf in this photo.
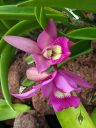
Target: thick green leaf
(43, 18)
(80, 48)
(7, 113)
(8, 54)
(7, 24)
(75, 118)
(14, 12)
(13, 1)
(37, 13)
(6, 58)
(83, 33)
(10, 12)
(1, 2)
(40, 16)
(54, 12)
(2, 102)
(89, 5)
(3, 29)
(93, 116)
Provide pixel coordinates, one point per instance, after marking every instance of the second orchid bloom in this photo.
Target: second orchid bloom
(58, 87)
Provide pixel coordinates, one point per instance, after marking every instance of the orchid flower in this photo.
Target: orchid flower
(48, 50)
(58, 86)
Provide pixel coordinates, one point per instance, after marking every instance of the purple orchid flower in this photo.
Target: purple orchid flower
(58, 86)
(48, 50)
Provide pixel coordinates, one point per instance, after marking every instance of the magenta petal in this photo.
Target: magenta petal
(58, 104)
(62, 84)
(74, 101)
(41, 63)
(48, 35)
(30, 93)
(23, 44)
(47, 90)
(63, 42)
(69, 80)
(52, 76)
(26, 95)
(80, 81)
(44, 40)
(70, 43)
(51, 29)
(62, 103)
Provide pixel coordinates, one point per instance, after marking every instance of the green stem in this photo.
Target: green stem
(75, 118)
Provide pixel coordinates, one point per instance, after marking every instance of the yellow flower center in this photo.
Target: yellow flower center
(59, 94)
(53, 53)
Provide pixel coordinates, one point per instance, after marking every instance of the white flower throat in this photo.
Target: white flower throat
(53, 53)
(60, 94)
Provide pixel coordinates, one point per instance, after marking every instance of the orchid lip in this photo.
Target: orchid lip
(48, 53)
(53, 52)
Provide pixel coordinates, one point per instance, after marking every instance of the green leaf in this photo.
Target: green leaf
(75, 118)
(40, 16)
(9, 52)
(27, 13)
(43, 18)
(6, 58)
(29, 59)
(7, 113)
(3, 29)
(14, 12)
(51, 12)
(78, 49)
(13, 1)
(26, 82)
(93, 116)
(37, 13)
(83, 33)
(7, 24)
(1, 2)
(2, 102)
(11, 12)
(88, 5)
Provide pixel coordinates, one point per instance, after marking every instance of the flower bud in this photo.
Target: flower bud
(33, 74)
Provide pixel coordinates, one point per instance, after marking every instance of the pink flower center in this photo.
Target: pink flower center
(53, 52)
(60, 94)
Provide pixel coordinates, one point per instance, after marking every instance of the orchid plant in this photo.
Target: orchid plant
(51, 50)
